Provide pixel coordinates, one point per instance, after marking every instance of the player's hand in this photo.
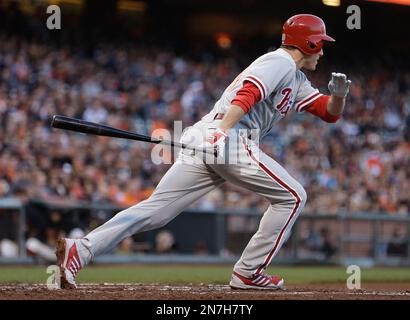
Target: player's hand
(216, 141)
(339, 85)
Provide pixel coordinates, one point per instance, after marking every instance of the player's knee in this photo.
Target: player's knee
(298, 195)
(302, 195)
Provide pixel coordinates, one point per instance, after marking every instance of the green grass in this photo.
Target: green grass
(184, 274)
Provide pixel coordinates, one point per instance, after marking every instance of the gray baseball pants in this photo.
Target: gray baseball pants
(190, 178)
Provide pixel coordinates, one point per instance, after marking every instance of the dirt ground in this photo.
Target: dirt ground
(372, 291)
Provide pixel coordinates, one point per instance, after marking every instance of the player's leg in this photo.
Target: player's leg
(260, 173)
(183, 184)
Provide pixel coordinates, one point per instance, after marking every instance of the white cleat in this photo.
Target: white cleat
(259, 281)
(69, 262)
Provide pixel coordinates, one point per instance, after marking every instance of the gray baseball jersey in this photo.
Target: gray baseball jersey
(282, 88)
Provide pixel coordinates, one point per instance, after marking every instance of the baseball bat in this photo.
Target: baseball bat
(78, 125)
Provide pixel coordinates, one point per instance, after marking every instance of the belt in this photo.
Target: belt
(219, 116)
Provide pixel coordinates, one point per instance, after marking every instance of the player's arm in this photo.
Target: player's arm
(245, 99)
(330, 108)
(336, 105)
(231, 117)
(260, 80)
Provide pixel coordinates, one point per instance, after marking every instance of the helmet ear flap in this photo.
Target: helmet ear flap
(314, 47)
(311, 45)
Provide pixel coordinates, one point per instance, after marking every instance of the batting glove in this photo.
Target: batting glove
(339, 85)
(216, 141)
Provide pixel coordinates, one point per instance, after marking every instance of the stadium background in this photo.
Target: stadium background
(140, 65)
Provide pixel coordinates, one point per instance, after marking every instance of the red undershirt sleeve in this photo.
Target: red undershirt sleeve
(247, 96)
(319, 109)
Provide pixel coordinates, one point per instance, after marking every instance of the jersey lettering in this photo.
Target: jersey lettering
(284, 105)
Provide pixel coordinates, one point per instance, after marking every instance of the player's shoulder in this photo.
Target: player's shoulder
(277, 58)
(301, 76)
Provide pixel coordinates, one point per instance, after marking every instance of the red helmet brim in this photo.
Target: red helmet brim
(320, 37)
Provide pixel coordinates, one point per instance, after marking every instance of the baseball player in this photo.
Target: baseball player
(268, 90)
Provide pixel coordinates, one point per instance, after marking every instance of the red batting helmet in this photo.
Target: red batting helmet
(305, 32)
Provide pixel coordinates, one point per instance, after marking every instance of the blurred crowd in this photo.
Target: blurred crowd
(361, 163)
